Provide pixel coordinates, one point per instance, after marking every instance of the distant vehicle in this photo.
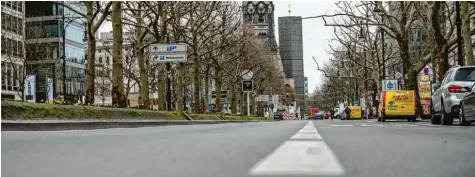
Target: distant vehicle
(325, 115)
(339, 111)
(319, 115)
(279, 115)
(397, 104)
(467, 108)
(456, 84)
(355, 112)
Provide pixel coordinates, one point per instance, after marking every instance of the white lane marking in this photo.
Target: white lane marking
(404, 125)
(306, 136)
(342, 125)
(300, 158)
(372, 125)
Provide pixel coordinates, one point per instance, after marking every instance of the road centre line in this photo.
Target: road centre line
(298, 157)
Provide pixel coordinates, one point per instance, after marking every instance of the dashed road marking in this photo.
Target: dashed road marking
(341, 125)
(295, 158)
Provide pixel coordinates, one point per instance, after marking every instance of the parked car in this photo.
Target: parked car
(278, 115)
(467, 108)
(456, 84)
(319, 115)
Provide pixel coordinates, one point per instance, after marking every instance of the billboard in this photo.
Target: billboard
(30, 88)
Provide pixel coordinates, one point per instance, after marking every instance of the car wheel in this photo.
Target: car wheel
(462, 121)
(446, 119)
(434, 119)
(338, 117)
(413, 119)
(408, 119)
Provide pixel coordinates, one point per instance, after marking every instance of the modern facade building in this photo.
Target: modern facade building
(13, 53)
(291, 53)
(55, 46)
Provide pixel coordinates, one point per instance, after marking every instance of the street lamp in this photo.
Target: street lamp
(363, 37)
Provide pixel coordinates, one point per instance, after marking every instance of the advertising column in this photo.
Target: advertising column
(424, 85)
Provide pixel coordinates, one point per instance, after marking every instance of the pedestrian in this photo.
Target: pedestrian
(347, 112)
(331, 113)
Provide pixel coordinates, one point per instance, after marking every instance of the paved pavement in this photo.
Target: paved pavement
(361, 148)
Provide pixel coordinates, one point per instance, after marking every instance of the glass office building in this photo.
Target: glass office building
(291, 53)
(46, 23)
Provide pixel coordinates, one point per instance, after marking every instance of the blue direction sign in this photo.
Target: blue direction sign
(188, 102)
(356, 102)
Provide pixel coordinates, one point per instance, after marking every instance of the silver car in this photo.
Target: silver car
(446, 98)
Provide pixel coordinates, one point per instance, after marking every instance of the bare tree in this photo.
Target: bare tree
(96, 13)
(467, 37)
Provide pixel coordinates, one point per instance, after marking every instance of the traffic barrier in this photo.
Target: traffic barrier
(289, 116)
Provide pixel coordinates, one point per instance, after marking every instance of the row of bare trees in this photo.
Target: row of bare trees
(413, 34)
(218, 50)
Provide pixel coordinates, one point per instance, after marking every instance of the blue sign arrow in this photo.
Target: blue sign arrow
(162, 57)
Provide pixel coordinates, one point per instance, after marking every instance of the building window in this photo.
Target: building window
(14, 48)
(20, 26)
(20, 6)
(3, 19)
(100, 59)
(20, 49)
(8, 22)
(99, 51)
(4, 48)
(107, 60)
(14, 7)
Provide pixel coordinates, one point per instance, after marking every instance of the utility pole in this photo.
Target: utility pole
(458, 23)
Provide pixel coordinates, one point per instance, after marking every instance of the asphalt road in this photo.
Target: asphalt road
(286, 148)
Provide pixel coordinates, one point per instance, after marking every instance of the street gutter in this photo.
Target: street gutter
(57, 125)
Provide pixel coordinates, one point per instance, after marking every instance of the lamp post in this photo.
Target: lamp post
(363, 37)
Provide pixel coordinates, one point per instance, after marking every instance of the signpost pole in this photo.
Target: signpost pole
(248, 111)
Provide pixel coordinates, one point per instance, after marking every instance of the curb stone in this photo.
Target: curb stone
(52, 125)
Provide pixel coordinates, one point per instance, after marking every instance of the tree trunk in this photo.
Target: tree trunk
(243, 104)
(179, 89)
(206, 95)
(196, 82)
(91, 58)
(91, 68)
(217, 79)
(233, 99)
(467, 38)
(118, 96)
(403, 44)
(441, 42)
(144, 95)
(161, 87)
